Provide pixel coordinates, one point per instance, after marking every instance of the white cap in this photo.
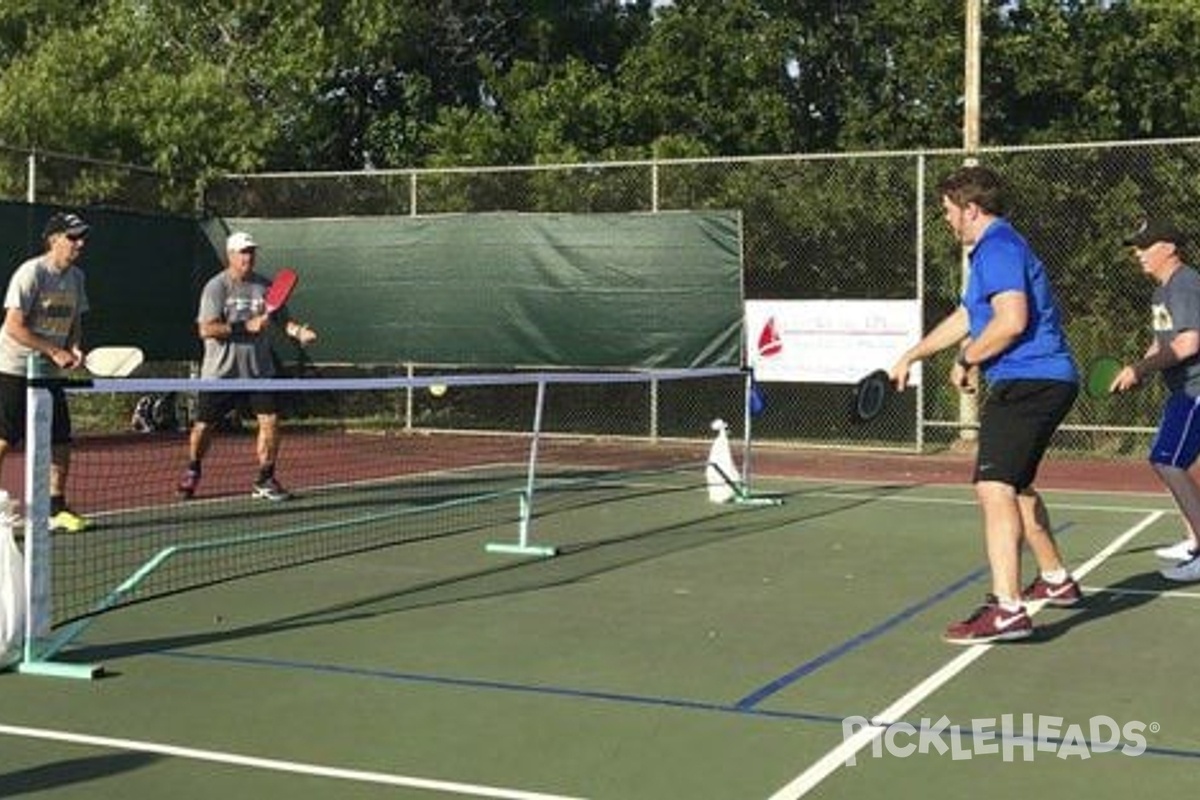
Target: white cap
(239, 241)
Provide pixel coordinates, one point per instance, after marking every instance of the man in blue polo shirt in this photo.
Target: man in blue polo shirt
(1009, 328)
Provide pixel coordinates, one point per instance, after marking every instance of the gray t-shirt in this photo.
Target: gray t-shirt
(53, 303)
(227, 300)
(1174, 308)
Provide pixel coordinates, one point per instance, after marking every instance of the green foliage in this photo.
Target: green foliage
(899, 76)
(1098, 70)
(205, 87)
(716, 72)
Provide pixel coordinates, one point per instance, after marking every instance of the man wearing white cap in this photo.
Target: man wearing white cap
(43, 310)
(234, 324)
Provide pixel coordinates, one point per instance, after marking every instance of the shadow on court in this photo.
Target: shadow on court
(1124, 595)
(59, 774)
(671, 648)
(574, 562)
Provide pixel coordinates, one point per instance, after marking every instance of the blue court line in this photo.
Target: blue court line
(479, 683)
(808, 667)
(745, 705)
(591, 694)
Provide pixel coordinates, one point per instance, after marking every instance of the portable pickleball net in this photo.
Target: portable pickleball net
(361, 479)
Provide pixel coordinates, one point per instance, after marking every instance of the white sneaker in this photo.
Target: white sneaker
(1180, 551)
(1184, 571)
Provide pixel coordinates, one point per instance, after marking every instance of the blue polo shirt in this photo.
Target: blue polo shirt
(1002, 261)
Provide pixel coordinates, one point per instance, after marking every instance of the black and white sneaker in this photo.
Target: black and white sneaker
(269, 490)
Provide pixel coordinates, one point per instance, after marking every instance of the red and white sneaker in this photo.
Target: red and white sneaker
(186, 488)
(1065, 593)
(990, 623)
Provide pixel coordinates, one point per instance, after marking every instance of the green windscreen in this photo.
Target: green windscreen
(143, 274)
(523, 290)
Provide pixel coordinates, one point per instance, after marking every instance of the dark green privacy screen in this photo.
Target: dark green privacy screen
(142, 274)
(526, 290)
(493, 290)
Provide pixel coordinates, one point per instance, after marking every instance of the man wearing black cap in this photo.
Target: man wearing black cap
(1174, 353)
(45, 301)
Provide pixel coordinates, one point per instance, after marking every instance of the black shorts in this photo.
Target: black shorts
(212, 407)
(12, 411)
(1015, 426)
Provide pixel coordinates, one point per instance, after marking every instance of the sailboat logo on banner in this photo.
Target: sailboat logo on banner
(770, 343)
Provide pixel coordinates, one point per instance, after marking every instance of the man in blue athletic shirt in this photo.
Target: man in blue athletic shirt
(1009, 328)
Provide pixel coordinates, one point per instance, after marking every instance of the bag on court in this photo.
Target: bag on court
(12, 591)
(154, 412)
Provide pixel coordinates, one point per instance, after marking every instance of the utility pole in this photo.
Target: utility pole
(968, 406)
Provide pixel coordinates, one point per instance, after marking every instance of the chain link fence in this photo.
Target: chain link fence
(831, 226)
(846, 226)
(61, 179)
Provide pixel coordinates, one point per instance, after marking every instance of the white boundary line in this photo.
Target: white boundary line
(1044, 489)
(298, 768)
(827, 764)
(1055, 507)
(1176, 593)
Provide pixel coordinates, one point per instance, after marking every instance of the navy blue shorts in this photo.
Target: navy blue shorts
(1177, 443)
(1018, 419)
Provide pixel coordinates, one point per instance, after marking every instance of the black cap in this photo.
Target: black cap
(1154, 230)
(63, 222)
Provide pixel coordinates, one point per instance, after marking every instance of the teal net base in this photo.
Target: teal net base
(521, 549)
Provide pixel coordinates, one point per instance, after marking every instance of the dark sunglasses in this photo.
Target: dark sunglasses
(76, 237)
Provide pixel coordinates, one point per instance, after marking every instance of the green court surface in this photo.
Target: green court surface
(672, 649)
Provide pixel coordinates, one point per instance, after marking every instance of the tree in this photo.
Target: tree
(244, 85)
(1102, 70)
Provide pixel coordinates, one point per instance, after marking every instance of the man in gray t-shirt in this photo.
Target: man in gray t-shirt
(1174, 354)
(43, 308)
(234, 325)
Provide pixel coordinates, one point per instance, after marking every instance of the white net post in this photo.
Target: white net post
(39, 564)
(37, 512)
(752, 406)
(748, 415)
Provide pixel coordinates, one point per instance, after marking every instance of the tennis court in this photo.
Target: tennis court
(671, 649)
